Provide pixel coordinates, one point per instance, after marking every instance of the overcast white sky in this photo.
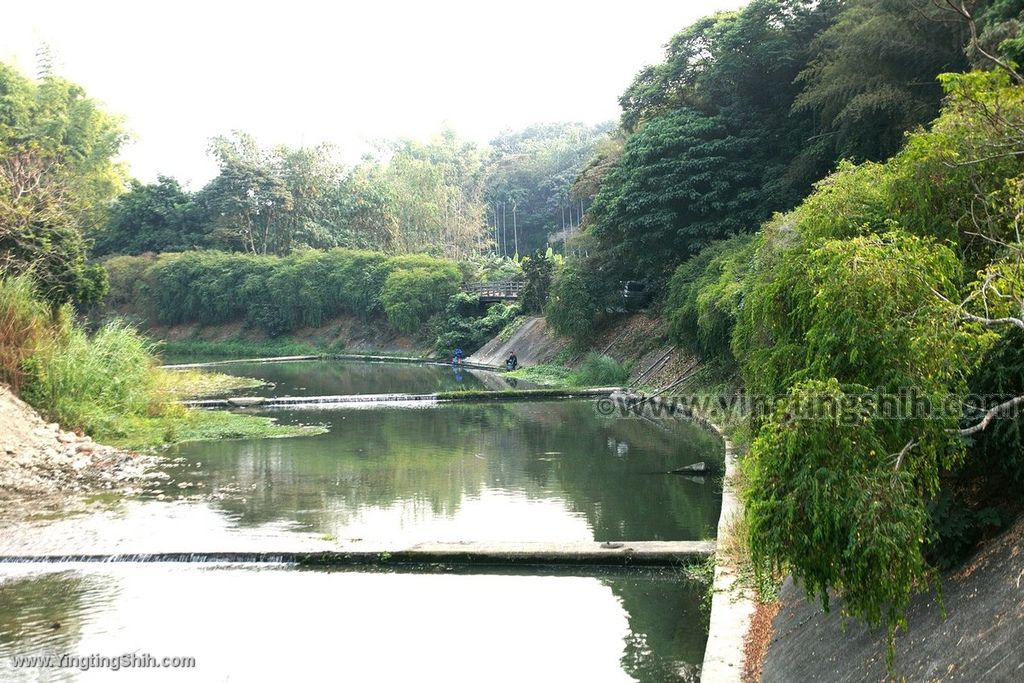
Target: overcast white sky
(303, 72)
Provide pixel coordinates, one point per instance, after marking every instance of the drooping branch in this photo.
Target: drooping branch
(960, 7)
(992, 414)
(898, 457)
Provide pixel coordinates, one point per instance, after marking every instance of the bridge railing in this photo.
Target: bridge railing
(503, 289)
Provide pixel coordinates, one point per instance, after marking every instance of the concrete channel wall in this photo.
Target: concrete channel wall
(731, 610)
(731, 613)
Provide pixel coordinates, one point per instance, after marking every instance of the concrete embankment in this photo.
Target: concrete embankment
(731, 608)
(978, 639)
(619, 554)
(533, 342)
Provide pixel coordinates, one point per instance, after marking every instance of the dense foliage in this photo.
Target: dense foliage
(862, 319)
(751, 107)
(57, 175)
(443, 196)
(530, 172)
(152, 218)
(538, 271)
(279, 294)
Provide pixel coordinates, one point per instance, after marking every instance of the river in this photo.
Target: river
(382, 477)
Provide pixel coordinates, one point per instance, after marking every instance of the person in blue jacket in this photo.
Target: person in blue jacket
(457, 358)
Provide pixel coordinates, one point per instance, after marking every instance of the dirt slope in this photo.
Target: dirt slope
(640, 340)
(980, 640)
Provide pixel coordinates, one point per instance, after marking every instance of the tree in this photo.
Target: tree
(157, 217)
(873, 76)
(248, 197)
(539, 270)
(363, 209)
(684, 180)
(438, 191)
(57, 176)
(840, 470)
(312, 178)
(714, 147)
(529, 175)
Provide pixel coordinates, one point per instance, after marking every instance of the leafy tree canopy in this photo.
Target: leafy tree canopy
(57, 176)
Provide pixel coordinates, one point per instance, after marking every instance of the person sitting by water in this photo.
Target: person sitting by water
(513, 362)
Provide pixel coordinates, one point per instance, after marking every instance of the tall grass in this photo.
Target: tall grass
(26, 322)
(93, 382)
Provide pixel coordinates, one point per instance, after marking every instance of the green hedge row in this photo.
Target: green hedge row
(280, 294)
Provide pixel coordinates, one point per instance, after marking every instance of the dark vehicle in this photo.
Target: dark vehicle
(634, 294)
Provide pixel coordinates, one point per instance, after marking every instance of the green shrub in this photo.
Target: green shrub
(127, 275)
(465, 326)
(705, 295)
(539, 271)
(580, 298)
(599, 370)
(412, 297)
(824, 503)
(280, 294)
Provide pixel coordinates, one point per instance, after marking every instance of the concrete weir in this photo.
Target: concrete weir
(361, 357)
(482, 554)
(362, 399)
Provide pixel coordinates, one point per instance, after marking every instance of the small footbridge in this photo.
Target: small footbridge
(493, 292)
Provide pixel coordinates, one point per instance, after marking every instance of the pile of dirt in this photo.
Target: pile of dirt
(37, 457)
(978, 640)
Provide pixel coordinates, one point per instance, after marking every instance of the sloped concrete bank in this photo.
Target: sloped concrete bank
(732, 610)
(978, 640)
(534, 343)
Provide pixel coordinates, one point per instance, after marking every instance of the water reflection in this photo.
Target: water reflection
(331, 378)
(535, 471)
(524, 471)
(255, 624)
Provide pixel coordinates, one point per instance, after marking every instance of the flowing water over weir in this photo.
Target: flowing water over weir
(465, 530)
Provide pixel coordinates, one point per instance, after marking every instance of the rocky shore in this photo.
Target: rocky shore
(37, 457)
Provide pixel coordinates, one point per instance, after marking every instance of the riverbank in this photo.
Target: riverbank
(39, 458)
(341, 334)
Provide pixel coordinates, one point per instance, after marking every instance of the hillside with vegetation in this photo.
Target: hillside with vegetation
(854, 264)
